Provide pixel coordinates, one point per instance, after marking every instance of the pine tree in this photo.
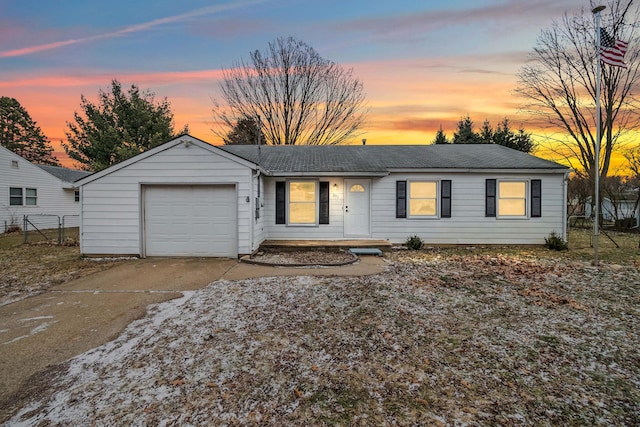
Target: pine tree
(121, 126)
(441, 137)
(20, 134)
(465, 133)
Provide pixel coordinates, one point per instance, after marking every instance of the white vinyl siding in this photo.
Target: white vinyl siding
(111, 204)
(42, 194)
(468, 224)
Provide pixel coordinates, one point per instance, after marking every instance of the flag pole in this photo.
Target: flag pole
(596, 166)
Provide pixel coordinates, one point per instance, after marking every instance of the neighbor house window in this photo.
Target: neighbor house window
(23, 196)
(423, 198)
(31, 197)
(512, 198)
(15, 196)
(303, 202)
(76, 195)
(14, 164)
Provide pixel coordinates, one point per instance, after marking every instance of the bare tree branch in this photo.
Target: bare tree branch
(299, 97)
(559, 84)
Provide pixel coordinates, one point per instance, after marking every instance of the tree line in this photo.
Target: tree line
(503, 134)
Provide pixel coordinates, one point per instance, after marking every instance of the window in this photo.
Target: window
(356, 188)
(76, 195)
(306, 202)
(303, 202)
(15, 196)
(23, 196)
(423, 198)
(14, 164)
(512, 198)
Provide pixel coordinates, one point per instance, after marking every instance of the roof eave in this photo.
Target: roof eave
(326, 173)
(479, 170)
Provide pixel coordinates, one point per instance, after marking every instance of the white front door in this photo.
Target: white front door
(356, 208)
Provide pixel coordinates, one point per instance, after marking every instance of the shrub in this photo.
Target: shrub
(555, 242)
(414, 243)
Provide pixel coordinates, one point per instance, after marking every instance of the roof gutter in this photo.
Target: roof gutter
(311, 173)
(473, 170)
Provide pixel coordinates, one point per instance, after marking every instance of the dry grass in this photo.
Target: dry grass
(30, 269)
(485, 336)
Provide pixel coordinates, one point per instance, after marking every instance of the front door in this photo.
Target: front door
(357, 208)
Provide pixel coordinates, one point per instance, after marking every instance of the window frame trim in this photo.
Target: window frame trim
(527, 198)
(437, 199)
(288, 202)
(15, 197)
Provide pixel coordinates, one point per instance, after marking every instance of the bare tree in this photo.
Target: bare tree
(300, 97)
(559, 85)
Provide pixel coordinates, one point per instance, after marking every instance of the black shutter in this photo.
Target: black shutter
(401, 199)
(536, 198)
(281, 202)
(445, 198)
(490, 195)
(324, 203)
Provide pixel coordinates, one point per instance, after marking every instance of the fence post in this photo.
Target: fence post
(24, 229)
(59, 231)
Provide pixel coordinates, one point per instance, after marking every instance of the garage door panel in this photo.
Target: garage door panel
(191, 220)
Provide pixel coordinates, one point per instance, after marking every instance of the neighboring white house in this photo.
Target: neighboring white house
(37, 191)
(189, 198)
(625, 207)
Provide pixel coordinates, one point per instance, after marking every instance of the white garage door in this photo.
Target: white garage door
(191, 220)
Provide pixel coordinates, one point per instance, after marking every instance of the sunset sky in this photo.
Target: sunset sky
(423, 63)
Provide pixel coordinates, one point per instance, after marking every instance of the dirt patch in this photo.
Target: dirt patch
(29, 270)
(304, 258)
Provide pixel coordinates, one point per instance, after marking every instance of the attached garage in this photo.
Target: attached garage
(190, 220)
(185, 198)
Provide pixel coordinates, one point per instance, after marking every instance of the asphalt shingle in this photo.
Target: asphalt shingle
(383, 158)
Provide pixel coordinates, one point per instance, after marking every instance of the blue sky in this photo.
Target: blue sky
(423, 63)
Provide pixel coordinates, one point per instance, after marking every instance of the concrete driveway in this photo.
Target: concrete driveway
(39, 333)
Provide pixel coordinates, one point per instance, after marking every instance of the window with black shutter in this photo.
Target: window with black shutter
(536, 198)
(445, 198)
(324, 203)
(490, 198)
(281, 202)
(401, 199)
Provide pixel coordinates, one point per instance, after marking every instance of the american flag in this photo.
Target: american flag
(612, 51)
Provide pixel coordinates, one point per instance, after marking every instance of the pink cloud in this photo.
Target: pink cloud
(130, 29)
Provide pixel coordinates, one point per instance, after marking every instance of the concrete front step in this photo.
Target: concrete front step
(296, 245)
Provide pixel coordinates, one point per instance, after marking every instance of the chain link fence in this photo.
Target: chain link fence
(57, 229)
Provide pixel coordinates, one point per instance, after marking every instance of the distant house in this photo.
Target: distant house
(36, 190)
(625, 206)
(189, 198)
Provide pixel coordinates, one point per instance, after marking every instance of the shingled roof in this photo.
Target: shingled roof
(64, 174)
(382, 159)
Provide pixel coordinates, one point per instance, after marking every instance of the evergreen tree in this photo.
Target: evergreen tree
(120, 126)
(486, 133)
(465, 133)
(20, 134)
(519, 141)
(441, 137)
(246, 131)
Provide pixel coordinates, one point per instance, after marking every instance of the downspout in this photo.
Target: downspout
(565, 183)
(256, 206)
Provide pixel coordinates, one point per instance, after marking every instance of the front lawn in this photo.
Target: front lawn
(455, 336)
